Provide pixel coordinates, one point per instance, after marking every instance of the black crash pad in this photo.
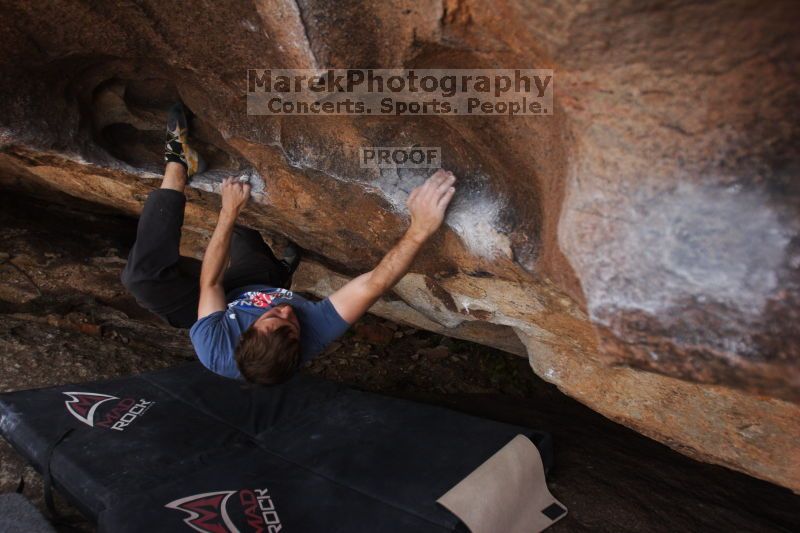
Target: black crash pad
(184, 449)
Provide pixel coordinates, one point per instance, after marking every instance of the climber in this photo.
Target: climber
(244, 322)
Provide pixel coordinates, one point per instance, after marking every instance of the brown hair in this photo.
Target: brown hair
(267, 358)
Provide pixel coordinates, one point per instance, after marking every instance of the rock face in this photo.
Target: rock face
(64, 318)
(641, 245)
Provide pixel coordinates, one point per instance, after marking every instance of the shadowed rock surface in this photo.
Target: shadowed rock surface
(640, 245)
(64, 317)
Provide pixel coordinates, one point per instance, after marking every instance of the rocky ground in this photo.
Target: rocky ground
(64, 317)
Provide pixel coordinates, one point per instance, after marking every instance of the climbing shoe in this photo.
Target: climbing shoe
(177, 149)
(291, 258)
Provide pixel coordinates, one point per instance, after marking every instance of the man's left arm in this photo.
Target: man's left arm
(212, 293)
(426, 204)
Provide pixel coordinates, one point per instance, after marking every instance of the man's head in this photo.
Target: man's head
(269, 351)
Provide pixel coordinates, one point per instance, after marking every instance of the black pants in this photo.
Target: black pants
(167, 284)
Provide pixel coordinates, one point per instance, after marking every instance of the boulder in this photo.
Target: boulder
(641, 245)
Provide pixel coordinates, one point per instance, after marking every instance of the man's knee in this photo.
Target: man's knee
(136, 277)
(125, 278)
(129, 278)
(138, 287)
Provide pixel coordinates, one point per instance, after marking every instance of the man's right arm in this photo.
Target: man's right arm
(426, 204)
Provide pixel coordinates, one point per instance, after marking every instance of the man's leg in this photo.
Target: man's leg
(155, 273)
(253, 263)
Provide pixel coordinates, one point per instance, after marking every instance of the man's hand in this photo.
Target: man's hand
(234, 195)
(427, 204)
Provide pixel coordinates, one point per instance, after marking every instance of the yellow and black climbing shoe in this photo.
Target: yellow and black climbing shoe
(178, 149)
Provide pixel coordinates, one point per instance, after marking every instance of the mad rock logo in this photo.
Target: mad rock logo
(114, 415)
(229, 511)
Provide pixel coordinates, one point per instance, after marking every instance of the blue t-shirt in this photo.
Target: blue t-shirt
(215, 336)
